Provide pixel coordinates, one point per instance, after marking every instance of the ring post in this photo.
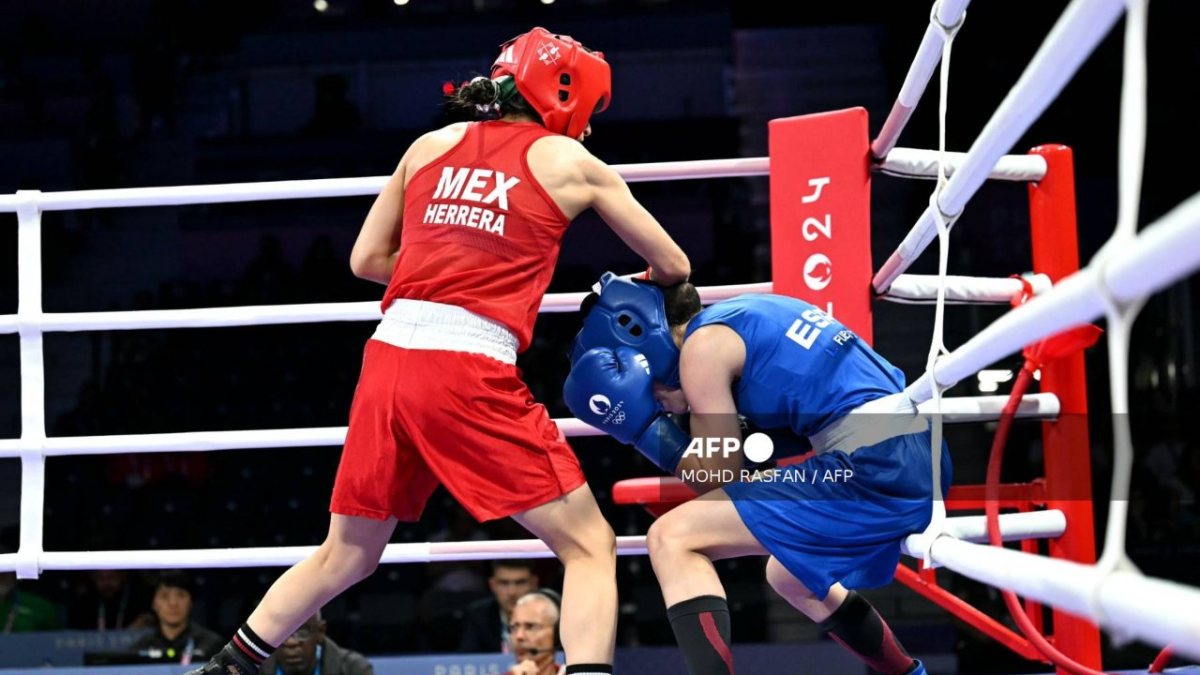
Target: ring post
(1067, 450)
(821, 213)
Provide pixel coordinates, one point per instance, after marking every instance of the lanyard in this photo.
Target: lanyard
(320, 651)
(186, 659)
(504, 633)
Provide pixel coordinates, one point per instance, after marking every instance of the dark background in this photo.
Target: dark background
(138, 93)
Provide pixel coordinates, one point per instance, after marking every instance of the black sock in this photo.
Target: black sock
(703, 632)
(856, 626)
(247, 644)
(589, 669)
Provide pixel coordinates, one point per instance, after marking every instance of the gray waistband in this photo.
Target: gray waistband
(870, 423)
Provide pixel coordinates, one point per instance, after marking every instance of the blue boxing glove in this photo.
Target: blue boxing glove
(613, 390)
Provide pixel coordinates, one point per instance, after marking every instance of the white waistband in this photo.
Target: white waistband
(416, 324)
(870, 423)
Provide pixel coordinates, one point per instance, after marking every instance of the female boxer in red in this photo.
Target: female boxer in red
(465, 234)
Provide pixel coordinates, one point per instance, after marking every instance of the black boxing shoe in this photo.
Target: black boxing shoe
(228, 661)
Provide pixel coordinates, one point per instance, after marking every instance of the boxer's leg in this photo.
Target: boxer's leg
(683, 544)
(848, 618)
(573, 527)
(798, 595)
(350, 553)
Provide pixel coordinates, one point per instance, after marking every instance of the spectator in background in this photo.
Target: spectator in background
(309, 651)
(112, 601)
(22, 611)
(485, 625)
(176, 638)
(533, 634)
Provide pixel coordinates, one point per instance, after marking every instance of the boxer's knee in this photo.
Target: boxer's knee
(800, 596)
(588, 540)
(666, 536)
(352, 549)
(596, 543)
(347, 564)
(573, 528)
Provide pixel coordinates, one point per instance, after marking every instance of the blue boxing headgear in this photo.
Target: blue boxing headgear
(632, 314)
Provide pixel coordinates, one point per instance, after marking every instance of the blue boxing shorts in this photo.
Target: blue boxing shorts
(841, 517)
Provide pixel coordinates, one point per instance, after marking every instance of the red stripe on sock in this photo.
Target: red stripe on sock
(889, 662)
(897, 660)
(253, 655)
(714, 638)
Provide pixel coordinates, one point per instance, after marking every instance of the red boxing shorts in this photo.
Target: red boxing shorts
(421, 417)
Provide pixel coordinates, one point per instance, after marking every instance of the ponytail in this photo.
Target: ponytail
(483, 98)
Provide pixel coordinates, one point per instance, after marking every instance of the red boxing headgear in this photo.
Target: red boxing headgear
(564, 81)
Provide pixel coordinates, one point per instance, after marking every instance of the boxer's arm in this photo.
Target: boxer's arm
(710, 361)
(378, 244)
(612, 199)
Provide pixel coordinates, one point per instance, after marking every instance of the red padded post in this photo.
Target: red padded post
(821, 213)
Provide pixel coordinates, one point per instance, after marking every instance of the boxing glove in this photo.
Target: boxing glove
(613, 391)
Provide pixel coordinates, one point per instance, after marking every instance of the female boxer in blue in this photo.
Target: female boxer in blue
(829, 524)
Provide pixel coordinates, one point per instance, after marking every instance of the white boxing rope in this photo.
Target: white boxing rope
(192, 441)
(955, 410)
(945, 13)
(213, 317)
(1121, 315)
(1163, 253)
(210, 441)
(286, 556)
(969, 409)
(1015, 527)
(912, 163)
(221, 193)
(937, 346)
(1082, 26)
(901, 162)
(209, 317)
(570, 302)
(1156, 611)
(922, 289)
(704, 168)
(33, 382)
